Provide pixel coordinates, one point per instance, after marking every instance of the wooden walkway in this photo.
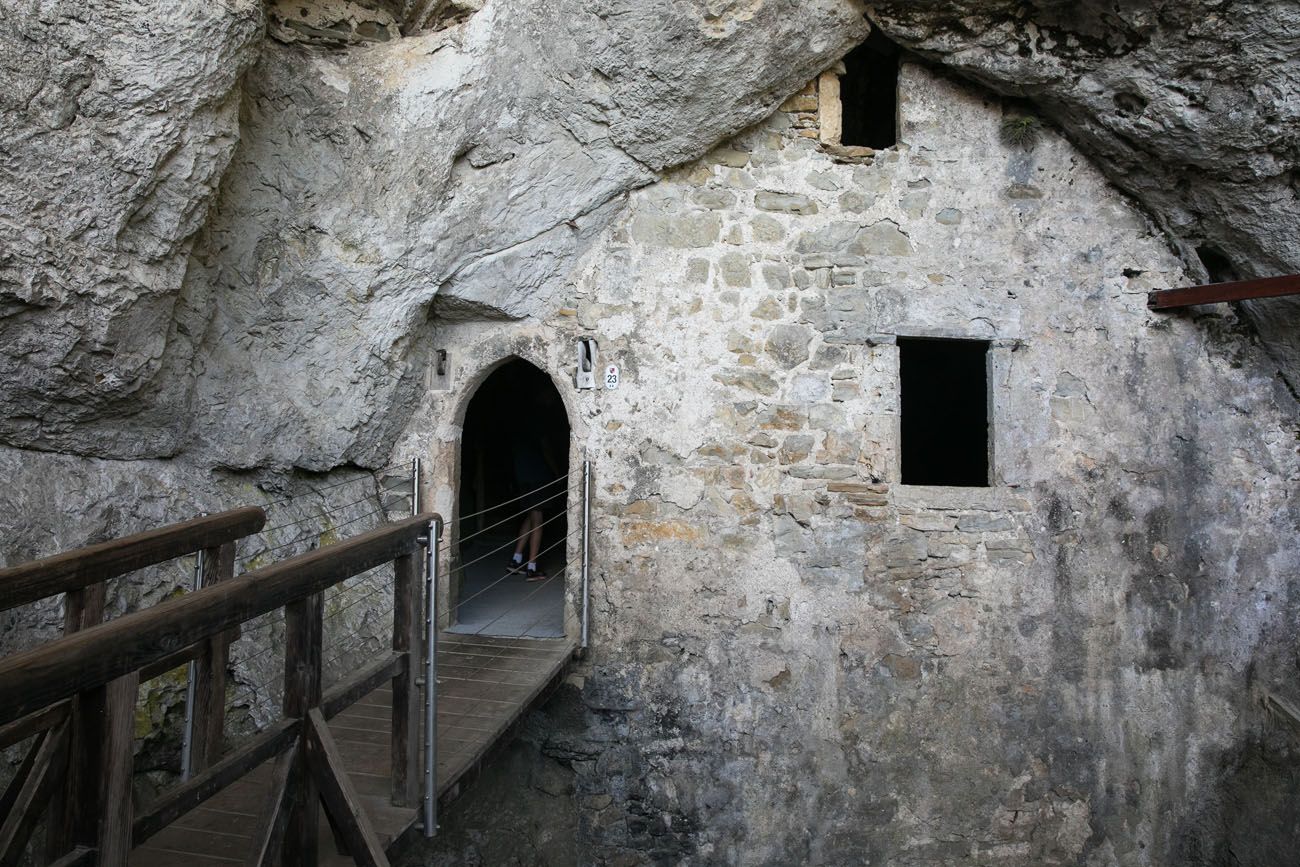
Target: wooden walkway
(485, 685)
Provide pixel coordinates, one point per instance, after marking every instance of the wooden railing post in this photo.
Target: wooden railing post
(406, 695)
(210, 671)
(303, 626)
(116, 769)
(82, 608)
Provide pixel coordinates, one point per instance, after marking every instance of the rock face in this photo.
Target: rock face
(118, 118)
(473, 164)
(227, 260)
(1192, 108)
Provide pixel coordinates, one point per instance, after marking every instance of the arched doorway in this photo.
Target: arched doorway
(513, 498)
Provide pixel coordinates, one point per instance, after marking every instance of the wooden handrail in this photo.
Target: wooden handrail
(93, 657)
(77, 694)
(74, 570)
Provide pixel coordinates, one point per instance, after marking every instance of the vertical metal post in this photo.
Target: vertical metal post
(187, 734)
(415, 487)
(586, 551)
(431, 683)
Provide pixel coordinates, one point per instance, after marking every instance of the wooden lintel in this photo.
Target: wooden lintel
(1239, 290)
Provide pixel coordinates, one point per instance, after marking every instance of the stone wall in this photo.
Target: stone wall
(797, 659)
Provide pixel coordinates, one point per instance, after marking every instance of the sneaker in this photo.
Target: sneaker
(534, 574)
(513, 568)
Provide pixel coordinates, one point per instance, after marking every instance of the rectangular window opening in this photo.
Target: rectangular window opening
(945, 411)
(869, 94)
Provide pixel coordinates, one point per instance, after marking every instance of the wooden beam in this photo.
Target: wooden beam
(341, 800)
(75, 569)
(178, 801)
(405, 740)
(1238, 290)
(92, 657)
(210, 671)
(15, 791)
(21, 730)
(303, 630)
(342, 696)
(275, 821)
(117, 767)
(41, 773)
(171, 662)
(78, 857)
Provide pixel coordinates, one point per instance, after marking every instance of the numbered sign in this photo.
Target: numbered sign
(611, 376)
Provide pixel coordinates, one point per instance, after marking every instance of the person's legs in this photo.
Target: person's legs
(528, 528)
(535, 536)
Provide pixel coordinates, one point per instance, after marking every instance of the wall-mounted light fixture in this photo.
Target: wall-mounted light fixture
(587, 362)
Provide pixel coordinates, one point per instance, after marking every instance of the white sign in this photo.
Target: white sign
(611, 376)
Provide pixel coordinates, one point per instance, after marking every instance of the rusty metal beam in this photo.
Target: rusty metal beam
(1239, 290)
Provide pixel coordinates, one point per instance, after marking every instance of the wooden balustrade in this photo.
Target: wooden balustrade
(83, 687)
(63, 770)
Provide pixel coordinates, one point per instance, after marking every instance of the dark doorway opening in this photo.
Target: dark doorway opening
(869, 94)
(1217, 265)
(945, 415)
(514, 464)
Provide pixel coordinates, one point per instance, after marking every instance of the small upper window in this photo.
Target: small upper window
(869, 94)
(945, 411)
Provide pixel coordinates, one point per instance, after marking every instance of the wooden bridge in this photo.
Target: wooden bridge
(341, 777)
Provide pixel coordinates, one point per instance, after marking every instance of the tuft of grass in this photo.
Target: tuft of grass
(1021, 131)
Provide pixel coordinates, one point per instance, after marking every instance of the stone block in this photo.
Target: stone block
(776, 276)
(729, 157)
(681, 231)
(788, 344)
(948, 217)
(882, 239)
(823, 181)
(810, 388)
(769, 308)
(985, 523)
(796, 448)
(856, 202)
(823, 472)
(782, 418)
(734, 268)
(800, 102)
(785, 203)
(827, 357)
(766, 229)
(828, 239)
(748, 379)
(714, 199)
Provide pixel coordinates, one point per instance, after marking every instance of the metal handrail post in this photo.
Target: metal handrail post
(431, 683)
(415, 487)
(192, 671)
(586, 551)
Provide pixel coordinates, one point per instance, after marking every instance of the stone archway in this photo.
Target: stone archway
(514, 462)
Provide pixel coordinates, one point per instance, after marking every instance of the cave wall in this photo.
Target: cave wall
(224, 261)
(796, 658)
(1192, 108)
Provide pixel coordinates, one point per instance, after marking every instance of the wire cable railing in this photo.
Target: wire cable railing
(361, 605)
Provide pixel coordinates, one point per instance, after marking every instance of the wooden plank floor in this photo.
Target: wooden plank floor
(484, 685)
